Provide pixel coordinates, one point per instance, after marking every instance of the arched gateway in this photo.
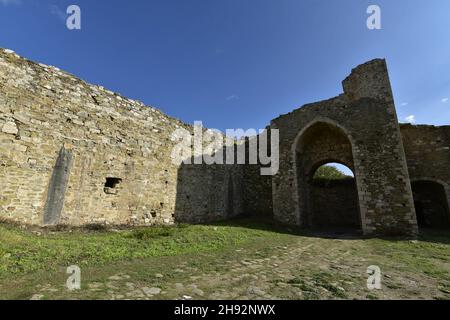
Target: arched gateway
(359, 129)
(322, 203)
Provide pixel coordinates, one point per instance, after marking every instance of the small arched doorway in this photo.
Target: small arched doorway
(326, 204)
(334, 198)
(430, 201)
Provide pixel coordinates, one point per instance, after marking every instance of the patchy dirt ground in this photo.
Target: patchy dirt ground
(277, 265)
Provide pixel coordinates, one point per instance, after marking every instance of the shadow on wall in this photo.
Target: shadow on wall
(208, 192)
(431, 204)
(325, 204)
(214, 192)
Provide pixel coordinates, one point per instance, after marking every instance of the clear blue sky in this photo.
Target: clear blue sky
(239, 63)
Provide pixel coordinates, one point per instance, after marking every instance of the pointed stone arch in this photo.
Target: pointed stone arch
(321, 141)
(432, 202)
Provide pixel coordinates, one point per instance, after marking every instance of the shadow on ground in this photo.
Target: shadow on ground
(441, 236)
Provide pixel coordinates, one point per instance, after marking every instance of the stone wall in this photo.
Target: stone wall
(209, 192)
(257, 188)
(427, 151)
(335, 204)
(75, 153)
(257, 192)
(365, 115)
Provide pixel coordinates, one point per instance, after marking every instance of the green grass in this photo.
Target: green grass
(318, 267)
(23, 252)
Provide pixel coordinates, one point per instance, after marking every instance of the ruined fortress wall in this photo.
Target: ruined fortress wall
(257, 192)
(427, 150)
(366, 115)
(61, 138)
(257, 188)
(208, 192)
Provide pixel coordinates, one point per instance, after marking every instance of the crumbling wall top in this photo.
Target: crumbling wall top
(369, 80)
(50, 74)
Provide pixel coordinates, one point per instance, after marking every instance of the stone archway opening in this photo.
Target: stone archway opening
(430, 201)
(326, 184)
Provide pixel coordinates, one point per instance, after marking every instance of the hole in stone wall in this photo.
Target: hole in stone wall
(112, 182)
(111, 185)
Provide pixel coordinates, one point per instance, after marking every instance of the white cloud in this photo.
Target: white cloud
(8, 2)
(55, 10)
(404, 104)
(411, 119)
(444, 100)
(232, 97)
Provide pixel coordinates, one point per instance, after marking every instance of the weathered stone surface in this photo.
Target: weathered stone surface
(57, 187)
(360, 129)
(427, 151)
(10, 127)
(121, 168)
(151, 291)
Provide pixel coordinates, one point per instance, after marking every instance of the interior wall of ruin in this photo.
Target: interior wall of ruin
(334, 204)
(75, 153)
(366, 113)
(427, 150)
